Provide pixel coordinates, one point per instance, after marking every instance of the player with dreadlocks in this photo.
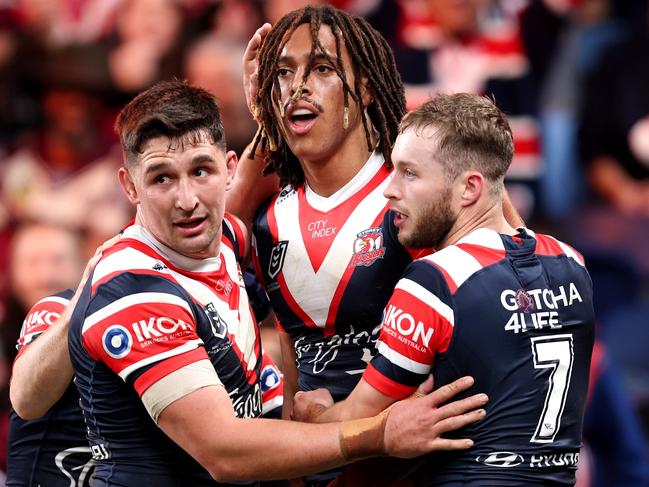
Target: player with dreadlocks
(328, 99)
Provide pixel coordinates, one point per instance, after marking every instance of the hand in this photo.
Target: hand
(251, 67)
(415, 426)
(307, 406)
(90, 266)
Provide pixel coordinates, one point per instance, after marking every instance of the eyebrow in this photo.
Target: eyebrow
(164, 165)
(319, 56)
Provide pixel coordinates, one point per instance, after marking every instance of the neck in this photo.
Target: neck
(481, 215)
(328, 174)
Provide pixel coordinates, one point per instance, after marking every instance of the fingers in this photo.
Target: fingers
(425, 387)
(456, 408)
(445, 444)
(445, 393)
(456, 422)
(255, 42)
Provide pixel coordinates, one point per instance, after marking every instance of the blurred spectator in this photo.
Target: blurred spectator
(564, 41)
(615, 129)
(613, 435)
(214, 63)
(235, 20)
(149, 39)
(474, 46)
(66, 174)
(44, 259)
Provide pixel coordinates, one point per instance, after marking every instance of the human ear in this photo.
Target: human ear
(127, 184)
(473, 186)
(366, 92)
(231, 162)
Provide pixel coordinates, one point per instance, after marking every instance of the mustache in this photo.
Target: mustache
(288, 103)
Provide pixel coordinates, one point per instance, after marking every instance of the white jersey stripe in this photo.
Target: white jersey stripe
(484, 237)
(401, 360)
(457, 263)
(424, 295)
(569, 252)
(185, 347)
(133, 300)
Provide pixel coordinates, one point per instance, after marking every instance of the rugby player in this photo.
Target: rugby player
(510, 307)
(164, 347)
(324, 88)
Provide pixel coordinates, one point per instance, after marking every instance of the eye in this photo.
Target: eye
(408, 173)
(323, 68)
(283, 72)
(201, 172)
(161, 179)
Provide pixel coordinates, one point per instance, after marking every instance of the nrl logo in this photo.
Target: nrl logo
(368, 247)
(219, 328)
(277, 258)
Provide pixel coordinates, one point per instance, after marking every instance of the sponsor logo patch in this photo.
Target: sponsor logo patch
(269, 378)
(117, 341)
(502, 459)
(368, 247)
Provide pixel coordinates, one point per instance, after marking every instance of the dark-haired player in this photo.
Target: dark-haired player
(510, 307)
(163, 344)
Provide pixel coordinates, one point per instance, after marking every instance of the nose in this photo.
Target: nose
(391, 191)
(186, 197)
(300, 85)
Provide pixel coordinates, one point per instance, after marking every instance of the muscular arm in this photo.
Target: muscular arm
(251, 188)
(283, 449)
(42, 373)
(289, 369)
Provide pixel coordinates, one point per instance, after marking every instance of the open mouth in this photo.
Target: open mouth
(399, 218)
(190, 225)
(301, 120)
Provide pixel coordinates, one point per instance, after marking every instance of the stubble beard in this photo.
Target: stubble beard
(431, 224)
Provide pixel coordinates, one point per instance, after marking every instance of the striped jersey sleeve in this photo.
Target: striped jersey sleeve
(41, 316)
(417, 325)
(142, 327)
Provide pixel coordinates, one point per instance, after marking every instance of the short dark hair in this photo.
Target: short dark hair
(472, 133)
(172, 109)
(370, 56)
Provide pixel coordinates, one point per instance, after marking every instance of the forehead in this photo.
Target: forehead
(188, 146)
(415, 146)
(299, 44)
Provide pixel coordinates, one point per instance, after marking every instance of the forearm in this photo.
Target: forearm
(289, 369)
(281, 450)
(41, 374)
(250, 188)
(225, 445)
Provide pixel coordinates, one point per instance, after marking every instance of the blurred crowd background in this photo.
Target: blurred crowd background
(572, 75)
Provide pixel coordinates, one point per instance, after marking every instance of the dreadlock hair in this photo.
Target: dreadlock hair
(371, 57)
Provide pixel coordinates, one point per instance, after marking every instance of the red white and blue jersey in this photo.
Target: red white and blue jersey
(516, 313)
(329, 266)
(53, 450)
(145, 313)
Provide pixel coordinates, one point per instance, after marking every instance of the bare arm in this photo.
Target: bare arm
(250, 187)
(366, 401)
(42, 373)
(283, 449)
(289, 369)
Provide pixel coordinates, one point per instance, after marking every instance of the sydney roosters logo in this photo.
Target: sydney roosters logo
(368, 247)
